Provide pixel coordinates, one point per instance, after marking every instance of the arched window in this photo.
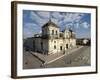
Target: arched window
(56, 32)
(67, 46)
(60, 47)
(54, 46)
(52, 32)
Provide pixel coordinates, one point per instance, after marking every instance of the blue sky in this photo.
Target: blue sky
(78, 22)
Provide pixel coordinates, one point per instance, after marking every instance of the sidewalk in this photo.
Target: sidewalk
(46, 59)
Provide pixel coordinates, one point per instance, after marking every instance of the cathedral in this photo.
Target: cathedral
(52, 40)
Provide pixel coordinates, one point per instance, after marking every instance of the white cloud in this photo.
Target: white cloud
(41, 17)
(34, 17)
(73, 17)
(77, 25)
(27, 33)
(85, 25)
(77, 17)
(62, 19)
(57, 15)
(28, 25)
(30, 29)
(43, 14)
(37, 19)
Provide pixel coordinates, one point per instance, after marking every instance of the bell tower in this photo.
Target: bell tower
(50, 30)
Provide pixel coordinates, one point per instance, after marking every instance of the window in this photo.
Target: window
(54, 41)
(56, 32)
(60, 47)
(54, 47)
(52, 32)
(67, 46)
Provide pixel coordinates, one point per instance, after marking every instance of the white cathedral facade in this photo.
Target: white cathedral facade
(52, 40)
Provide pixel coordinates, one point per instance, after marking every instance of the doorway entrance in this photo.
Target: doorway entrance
(61, 48)
(67, 46)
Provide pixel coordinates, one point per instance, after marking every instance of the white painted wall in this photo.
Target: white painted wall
(5, 43)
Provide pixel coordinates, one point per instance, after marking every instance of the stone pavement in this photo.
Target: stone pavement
(46, 59)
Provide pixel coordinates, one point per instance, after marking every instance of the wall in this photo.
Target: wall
(5, 43)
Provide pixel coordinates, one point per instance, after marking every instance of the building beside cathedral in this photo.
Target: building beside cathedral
(52, 40)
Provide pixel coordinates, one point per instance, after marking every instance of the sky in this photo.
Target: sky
(33, 21)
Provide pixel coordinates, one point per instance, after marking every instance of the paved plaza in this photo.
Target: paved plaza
(73, 57)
